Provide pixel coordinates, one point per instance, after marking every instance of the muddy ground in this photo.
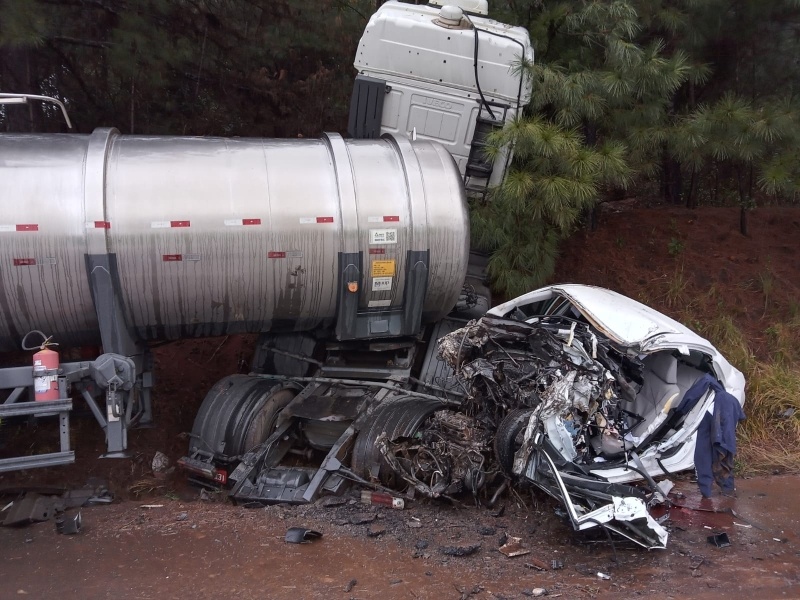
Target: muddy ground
(219, 550)
(203, 549)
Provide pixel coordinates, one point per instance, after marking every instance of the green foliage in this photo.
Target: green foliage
(229, 67)
(675, 246)
(597, 119)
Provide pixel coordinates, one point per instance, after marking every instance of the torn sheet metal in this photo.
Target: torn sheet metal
(565, 390)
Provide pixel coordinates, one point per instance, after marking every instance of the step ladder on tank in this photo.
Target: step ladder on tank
(479, 167)
(117, 398)
(17, 382)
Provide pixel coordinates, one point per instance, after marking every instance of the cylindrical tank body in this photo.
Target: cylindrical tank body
(210, 236)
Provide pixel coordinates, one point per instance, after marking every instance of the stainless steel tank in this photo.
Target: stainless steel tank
(213, 236)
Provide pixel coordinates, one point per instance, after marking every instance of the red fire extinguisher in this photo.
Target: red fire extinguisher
(45, 369)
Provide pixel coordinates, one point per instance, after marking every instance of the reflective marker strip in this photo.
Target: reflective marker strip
(306, 220)
(384, 219)
(172, 257)
(238, 222)
(377, 251)
(169, 224)
(24, 262)
(21, 227)
(98, 225)
(276, 254)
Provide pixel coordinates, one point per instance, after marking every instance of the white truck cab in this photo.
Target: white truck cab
(444, 72)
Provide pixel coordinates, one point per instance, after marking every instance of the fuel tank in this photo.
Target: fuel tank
(211, 236)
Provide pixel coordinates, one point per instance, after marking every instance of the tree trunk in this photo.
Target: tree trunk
(691, 198)
(671, 180)
(743, 220)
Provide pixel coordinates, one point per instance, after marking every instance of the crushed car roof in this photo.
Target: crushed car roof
(624, 320)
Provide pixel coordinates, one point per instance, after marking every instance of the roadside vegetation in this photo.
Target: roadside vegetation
(768, 438)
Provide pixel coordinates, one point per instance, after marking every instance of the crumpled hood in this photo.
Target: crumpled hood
(626, 321)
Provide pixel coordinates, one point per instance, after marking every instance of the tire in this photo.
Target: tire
(399, 418)
(237, 414)
(508, 438)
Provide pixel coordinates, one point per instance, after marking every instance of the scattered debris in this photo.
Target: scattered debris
(182, 516)
(375, 530)
(31, 508)
(513, 547)
(332, 501)
(301, 535)
(382, 499)
(160, 465)
(556, 564)
(535, 563)
(362, 518)
(603, 576)
(464, 550)
(720, 540)
(350, 585)
(69, 525)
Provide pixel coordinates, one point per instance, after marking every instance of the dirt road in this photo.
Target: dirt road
(196, 549)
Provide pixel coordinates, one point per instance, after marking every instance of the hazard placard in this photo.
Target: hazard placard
(383, 268)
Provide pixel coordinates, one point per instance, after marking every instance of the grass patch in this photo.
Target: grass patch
(768, 438)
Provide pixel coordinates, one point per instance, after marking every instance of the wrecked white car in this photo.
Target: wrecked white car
(598, 399)
(579, 391)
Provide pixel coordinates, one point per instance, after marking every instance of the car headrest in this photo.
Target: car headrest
(663, 365)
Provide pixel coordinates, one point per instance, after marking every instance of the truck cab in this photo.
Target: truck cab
(443, 72)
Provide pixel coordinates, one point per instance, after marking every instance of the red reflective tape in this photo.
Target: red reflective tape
(324, 219)
(391, 218)
(24, 262)
(28, 227)
(179, 224)
(102, 224)
(172, 257)
(276, 254)
(251, 221)
(377, 251)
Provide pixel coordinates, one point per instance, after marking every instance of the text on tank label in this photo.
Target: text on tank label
(383, 268)
(383, 236)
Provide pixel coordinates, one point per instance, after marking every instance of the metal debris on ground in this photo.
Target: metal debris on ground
(301, 535)
(535, 563)
(69, 525)
(513, 547)
(720, 540)
(464, 550)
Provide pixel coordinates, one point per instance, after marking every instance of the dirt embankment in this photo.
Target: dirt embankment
(695, 263)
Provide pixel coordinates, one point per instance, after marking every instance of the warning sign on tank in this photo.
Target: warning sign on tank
(383, 268)
(383, 236)
(381, 284)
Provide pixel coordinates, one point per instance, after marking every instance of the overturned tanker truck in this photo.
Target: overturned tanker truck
(350, 258)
